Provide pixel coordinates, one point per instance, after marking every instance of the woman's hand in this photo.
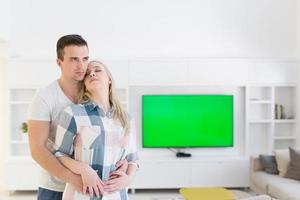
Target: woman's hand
(92, 184)
(121, 165)
(121, 181)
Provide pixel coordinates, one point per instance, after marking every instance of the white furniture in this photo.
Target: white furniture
(166, 172)
(19, 101)
(274, 185)
(19, 163)
(263, 130)
(19, 159)
(227, 167)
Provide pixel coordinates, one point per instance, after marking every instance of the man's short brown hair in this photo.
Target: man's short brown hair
(68, 40)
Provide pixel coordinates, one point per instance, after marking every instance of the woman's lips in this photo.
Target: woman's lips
(93, 79)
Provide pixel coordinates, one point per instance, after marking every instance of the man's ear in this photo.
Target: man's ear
(58, 61)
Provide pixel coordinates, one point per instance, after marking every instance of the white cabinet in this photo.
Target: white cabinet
(265, 129)
(192, 172)
(155, 173)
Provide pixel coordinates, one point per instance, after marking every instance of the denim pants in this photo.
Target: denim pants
(44, 194)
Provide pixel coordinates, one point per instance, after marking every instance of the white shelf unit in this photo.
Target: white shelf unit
(265, 133)
(285, 129)
(19, 100)
(19, 156)
(19, 159)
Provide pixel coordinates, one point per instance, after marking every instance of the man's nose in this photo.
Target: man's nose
(81, 64)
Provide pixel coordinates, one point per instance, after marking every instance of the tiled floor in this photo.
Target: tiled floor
(139, 195)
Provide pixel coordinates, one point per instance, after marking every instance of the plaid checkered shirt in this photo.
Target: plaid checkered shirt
(88, 134)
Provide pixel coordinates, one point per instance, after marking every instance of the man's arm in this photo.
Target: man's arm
(91, 180)
(38, 135)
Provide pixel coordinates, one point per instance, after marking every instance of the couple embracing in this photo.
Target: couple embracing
(79, 133)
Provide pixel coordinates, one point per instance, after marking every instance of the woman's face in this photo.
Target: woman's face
(96, 77)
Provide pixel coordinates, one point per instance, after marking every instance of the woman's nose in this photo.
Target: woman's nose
(92, 74)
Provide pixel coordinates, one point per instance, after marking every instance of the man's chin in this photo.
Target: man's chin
(79, 78)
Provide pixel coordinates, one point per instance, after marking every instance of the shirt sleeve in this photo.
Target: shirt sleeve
(132, 154)
(39, 109)
(65, 134)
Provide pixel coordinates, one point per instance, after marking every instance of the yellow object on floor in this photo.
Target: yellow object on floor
(206, 194)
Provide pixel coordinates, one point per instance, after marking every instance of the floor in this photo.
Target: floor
(139, 195)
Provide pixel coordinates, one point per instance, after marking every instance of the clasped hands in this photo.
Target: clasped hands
(94, 186)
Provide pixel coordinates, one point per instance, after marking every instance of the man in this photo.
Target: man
(72, 58)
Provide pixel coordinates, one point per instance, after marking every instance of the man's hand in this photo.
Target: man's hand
(76, 181)
(92, 184)
(115, 184)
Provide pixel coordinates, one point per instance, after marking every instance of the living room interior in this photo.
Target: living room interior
(237, 60)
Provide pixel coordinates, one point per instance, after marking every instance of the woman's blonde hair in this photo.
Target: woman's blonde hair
(119, 112)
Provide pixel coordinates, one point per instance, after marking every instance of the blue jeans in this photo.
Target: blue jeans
(44, 194)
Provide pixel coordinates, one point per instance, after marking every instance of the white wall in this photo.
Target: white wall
(3, 117)
(169, 28)
(298, 56)
(5, 15)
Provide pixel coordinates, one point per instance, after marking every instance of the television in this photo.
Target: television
(182, 121)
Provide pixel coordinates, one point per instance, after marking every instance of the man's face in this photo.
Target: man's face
(75, 62)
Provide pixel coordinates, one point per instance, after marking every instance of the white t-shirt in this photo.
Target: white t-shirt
(46, 106)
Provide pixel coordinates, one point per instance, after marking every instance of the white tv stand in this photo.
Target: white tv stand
(202, 171)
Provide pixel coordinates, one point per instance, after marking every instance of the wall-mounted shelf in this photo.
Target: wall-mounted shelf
(265, 131)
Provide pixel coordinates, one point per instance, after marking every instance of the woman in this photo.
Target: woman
(94, 135)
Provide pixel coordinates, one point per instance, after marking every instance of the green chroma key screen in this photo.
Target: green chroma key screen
(187, 120)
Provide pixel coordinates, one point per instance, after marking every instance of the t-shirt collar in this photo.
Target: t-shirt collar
(92, 105)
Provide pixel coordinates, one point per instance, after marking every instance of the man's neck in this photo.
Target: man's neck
(70, 88)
